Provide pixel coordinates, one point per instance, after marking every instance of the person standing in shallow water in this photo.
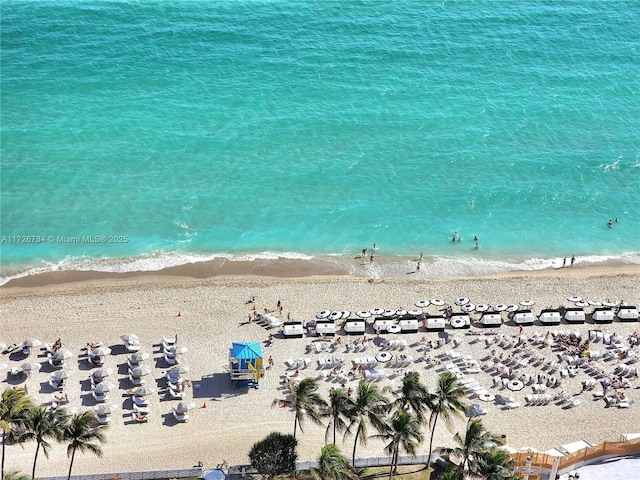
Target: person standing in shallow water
(573, 260)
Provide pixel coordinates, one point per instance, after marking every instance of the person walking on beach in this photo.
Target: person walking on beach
(564, 262)
(371, 258)
(573, 260)
(418, 266)
(364, 252)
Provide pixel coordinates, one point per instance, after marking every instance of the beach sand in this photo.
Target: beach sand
(81, 308)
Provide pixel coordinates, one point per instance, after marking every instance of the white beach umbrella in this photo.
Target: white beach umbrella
(106, 409)
(512, 307)
(389, 313)
(104, 387)
(414, 312)
(501, 307)
(184, 407)
(323, 314)
(32, 342)
(335, 316)
(101, 351)
(609, 304)
(595, 303)
(462, 301)
(62, 355)
(422, 303)
(582, 304)
(400, 312)
(30, 367)
(527, 303)
(179, 369)
(363, 314)
(470, 307)
(178, 350)
(140, 371)
(62, 374)
(139, 357)
(377, 311)
(437, 302)
(483, 307)
(345, 314)
(575, 299)
(129, 337)
(102, 372)
(143, 391)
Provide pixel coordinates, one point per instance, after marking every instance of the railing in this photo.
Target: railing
(149, 475)
(544, 461)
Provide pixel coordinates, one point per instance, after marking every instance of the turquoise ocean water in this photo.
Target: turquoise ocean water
(139, 135)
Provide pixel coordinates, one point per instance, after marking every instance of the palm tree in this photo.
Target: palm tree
(15, 475)
(80, 433)
(339, 405)
(14, 406)
(496, 464)
(404, 432)
(447, 402)
(369, 406)
(333, 465)
(476, 440)
(306, 402)
(42, 424)
(413, 394)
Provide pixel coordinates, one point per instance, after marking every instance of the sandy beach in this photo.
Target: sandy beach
(213, 313)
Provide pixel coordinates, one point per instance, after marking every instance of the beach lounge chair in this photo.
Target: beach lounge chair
(141, 410)
(140, 401)
(100, 397)
(168, 342)
(175, 394)
(103, 419)
(132, 346)
(136, 381)
(140, 417)
(170, 360)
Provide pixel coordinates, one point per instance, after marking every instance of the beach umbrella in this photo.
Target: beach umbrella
(437, 302)
(143, 391)
(178, 350)
(609, 304)
(335, 316)
(138, 357)
(104, 387)
(422, 303)
(184, 407)
(102, 372)
(512, 308)
(400, 312)
(388, 313)
(61, 374)
(363, 314)
(574, 299)
(377, 311)
(595, 303)
(129, 337)
(345, 314)
(140, 371)
(462, 301)
(62, 355)
(483, 307)
(101, 352)
(323, 314)
(501, 307)
(582, 304)
(30, 367)
(106, 409)
(414, 312)
(31, 342)
(527, 303)
(470, 307)
(179, 370)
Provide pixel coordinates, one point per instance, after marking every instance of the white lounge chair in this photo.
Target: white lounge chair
(180, 417)
(100, 397)
(103, 419)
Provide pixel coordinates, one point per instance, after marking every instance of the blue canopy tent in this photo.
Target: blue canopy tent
(246, 364)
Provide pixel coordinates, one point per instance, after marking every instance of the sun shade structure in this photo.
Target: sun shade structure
(246, 364)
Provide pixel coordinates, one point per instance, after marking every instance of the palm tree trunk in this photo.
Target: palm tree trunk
(73, 455)
(433, 431)
(3, 447)
(334, 431)
(396, 454)
(35, 460)
(295, 425)
(355, 444)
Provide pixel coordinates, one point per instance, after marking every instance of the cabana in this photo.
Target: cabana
(382, 324)
(246, 364)
(523, 317)
(603, 315)
(354, 326)
(574, 315)
(491, 319)
(460, 320)
(628, 313)
(550, 317)
(325, 327)
(292, 330)
(436, 323)
(408, 324)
